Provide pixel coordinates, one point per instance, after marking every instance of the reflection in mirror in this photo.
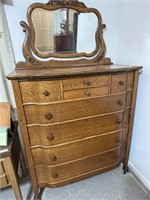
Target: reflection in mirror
(64, 31)
(87, 27)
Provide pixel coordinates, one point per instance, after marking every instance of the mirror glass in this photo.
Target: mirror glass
(64, 31)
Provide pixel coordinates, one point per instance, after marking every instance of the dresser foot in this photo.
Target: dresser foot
(38, 195)
(125, 168)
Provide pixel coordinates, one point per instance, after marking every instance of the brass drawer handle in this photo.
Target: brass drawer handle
(46, 93)
(88, 83)
(55, 175)
(118, 121)
(50, 137)
(48, 116)
(53, 157)
(88, 93)
(120, 102)
(122, 83)
(117, 139)
(116, 155)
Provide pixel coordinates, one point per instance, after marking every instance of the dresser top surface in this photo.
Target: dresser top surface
(58, 72)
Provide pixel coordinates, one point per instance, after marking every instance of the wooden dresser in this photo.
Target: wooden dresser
(77, 126)
(75, 110)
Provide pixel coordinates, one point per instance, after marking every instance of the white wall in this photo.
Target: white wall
(109, 10)
(6, 59)
(134, 49)
(16, 11)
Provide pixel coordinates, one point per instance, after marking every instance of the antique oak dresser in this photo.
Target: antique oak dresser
(76, 109)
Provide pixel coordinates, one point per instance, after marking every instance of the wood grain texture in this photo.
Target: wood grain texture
(85, 93)
(130, 80)
(10, 170)
(131, 119)
(68, 71)
(86, 82)
(77, 136)
(129, 99)
(126, 117)
(78, 168)
(24, 131)
(125, 134)
(118, 83)
(75, 151)
(89, 174)
(2, 171)
(35, 114)
(76, 130)
(123, 151)
(5, 114)
(4, 182)
(38, 92)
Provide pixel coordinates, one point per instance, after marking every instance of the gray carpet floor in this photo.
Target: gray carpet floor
(112, 185)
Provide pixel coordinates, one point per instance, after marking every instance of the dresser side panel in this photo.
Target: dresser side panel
(24, 131)
(131, 119)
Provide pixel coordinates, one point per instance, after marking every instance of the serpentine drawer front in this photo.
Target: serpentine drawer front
(75, 151)
(55, 134)
(60, 174)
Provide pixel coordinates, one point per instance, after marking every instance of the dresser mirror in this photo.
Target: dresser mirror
(61, 31)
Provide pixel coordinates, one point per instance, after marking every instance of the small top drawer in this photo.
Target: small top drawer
(86, 93)
(118, 83)
(40, 91)
(86, 82)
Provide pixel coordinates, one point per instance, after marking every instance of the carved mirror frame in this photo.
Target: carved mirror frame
(34, 58)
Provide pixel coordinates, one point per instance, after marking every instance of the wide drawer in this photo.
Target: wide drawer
(54, 175)
(40, 91)
(77, 150)
(46, 114)
(76, 130)
(85, 93)
(86, 82)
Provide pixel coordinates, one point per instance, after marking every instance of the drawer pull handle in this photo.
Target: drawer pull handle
(88, 83)
(55, 175)
(53, 157)
(118, 121)
(88, 93)
(117, 139)
(116, 155)
(122, 83)
(120, 102)
(46, 93)
(48, 116)
(50, 137)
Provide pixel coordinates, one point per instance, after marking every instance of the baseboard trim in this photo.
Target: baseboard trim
(139, 178)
